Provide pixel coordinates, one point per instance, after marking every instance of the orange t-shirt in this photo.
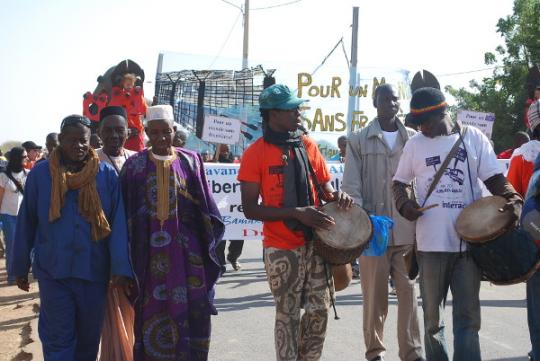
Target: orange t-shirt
(262, 163)
(519, 174)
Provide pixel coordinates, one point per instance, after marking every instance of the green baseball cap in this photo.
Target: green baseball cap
(279, 96)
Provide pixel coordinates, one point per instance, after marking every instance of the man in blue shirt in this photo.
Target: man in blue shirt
(73, 217)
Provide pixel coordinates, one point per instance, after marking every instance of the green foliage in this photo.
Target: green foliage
(6, 146)
(505, 93)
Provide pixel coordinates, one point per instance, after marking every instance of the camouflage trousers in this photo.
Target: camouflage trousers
(298, 280)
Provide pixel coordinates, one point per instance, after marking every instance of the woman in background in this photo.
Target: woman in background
(11, 194)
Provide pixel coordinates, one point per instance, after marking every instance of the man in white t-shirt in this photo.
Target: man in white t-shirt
(442, 257)
(372, 159)
(113, 129)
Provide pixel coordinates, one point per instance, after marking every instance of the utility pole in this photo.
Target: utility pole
(158, 71)
(246, 36)
(353, 70)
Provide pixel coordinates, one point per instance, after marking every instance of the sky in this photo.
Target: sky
(52, 51)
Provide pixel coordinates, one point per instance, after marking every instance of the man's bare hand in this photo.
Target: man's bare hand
(344, 200)
(22, 283)
(410, 211)
(312, 217)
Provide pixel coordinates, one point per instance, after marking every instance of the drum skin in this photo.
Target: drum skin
(347, 238)
(482, 221)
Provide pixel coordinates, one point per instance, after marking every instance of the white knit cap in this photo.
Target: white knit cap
(534, 114)
(159, 112)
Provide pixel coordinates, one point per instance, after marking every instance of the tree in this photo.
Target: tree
(6, 146)
(505, 92)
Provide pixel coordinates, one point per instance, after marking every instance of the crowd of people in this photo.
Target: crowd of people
(98, 223)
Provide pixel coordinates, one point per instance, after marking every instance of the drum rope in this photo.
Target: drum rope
(332, 294)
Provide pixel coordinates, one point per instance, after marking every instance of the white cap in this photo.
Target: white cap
(160, 112)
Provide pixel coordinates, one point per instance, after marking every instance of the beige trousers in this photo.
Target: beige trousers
(374, 273)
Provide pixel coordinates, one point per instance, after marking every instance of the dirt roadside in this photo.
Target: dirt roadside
(18, 314)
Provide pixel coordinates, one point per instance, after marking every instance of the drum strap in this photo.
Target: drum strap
(321, 195)
(444, 165)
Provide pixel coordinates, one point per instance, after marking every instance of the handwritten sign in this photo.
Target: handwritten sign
(221, 129)
(483, 121)
(321, 116)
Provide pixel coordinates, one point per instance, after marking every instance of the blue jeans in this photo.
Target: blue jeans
(533, 313)
(8, 226)
(438, 272)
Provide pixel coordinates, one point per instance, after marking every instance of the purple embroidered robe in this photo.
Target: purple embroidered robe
(175, 264)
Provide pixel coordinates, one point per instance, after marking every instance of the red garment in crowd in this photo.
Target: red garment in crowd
(133, 102)
(29, 164)
(522, 165)
(520, 173)
(505, 154)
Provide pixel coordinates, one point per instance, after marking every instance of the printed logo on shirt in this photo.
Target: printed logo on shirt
(433, 161)
(461, 155)
(275, 169)
(455, 174)
(450, 187)
(453, 205)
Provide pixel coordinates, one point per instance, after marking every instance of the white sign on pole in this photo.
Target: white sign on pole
(221, 129)
(483, 121)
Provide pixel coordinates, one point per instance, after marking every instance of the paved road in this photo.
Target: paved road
(243, 330)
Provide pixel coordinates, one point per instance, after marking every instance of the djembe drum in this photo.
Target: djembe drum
(504, 253)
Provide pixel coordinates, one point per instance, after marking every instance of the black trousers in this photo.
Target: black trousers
(235, 250)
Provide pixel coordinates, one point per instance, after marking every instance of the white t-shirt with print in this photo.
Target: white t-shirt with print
(12, 197)
(421, 158)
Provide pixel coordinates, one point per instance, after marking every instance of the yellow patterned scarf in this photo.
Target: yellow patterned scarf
(163, 173)
(85, 181)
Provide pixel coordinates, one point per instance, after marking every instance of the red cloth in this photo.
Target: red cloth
(98, 100)
(133, 102)
(506, 154)
(29, 165)
(519, 174)
(135, 143)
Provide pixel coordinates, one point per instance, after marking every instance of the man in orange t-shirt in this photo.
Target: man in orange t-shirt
(285, 168)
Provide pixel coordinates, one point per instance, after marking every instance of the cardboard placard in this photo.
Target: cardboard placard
(222, 130)
(480, 120)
